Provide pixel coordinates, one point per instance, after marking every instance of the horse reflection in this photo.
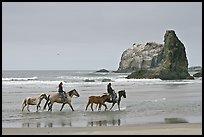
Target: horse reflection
(46, 124)
(114, 122)
(33, 125)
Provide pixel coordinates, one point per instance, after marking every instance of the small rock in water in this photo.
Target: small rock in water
(102, 70)
(175, 120)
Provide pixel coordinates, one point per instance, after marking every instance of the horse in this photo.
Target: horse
(98, 100)
(121, 94)
(56, 97)
(33, 101)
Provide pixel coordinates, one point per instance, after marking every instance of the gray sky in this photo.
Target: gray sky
(92, 36)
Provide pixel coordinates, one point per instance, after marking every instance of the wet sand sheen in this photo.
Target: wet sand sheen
(143, 129)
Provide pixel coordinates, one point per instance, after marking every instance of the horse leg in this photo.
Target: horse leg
(37, 109)
(119, 105)
(112, 105)
(96, 106)
(38, 106)
(28, 108)
(62, 106)
(50, 106)
(46, 102)
(92, 106)
(71, 107)
(105, 106)
(23, 106)
(99, 108)
(87, 105)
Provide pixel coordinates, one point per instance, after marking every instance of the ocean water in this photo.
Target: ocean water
(147, 101)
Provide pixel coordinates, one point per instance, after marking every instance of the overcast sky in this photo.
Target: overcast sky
(92, 36)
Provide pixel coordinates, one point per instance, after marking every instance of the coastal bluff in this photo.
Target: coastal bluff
(166, 61)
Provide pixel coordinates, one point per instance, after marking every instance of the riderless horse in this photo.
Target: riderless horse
(97, 100)
(33, 101)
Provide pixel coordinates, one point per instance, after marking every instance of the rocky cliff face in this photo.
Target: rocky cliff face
(174, 63)
(141, 57)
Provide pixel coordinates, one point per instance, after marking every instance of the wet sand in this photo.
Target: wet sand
(142, 129)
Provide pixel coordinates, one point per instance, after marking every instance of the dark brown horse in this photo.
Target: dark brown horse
(121, 94)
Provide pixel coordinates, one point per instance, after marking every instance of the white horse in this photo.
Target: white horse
(33, 101)
(56, 97)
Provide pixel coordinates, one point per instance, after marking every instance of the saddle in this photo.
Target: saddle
(115, 99)
(61, 96)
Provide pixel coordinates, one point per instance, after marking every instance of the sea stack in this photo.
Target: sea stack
(174, 63)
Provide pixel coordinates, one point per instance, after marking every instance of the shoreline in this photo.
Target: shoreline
(132, 129)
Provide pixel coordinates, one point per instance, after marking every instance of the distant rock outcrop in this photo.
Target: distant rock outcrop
(102, 70)
(141, 57)
(194, 68)
(174, 64)
(198, 74)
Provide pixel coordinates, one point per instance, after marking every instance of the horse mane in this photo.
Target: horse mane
(121, 91)
(42, 94)
(71, 92)
(105, 94)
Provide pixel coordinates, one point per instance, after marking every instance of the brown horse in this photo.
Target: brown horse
(98, 100)
(56, 97)
(33, 101)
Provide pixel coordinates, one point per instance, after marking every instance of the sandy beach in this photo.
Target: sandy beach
(143, 129)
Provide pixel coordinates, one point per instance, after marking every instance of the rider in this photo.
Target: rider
(112, 92)
(62, 92)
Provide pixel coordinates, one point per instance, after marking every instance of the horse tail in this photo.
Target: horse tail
(23, 103)
(46, 102)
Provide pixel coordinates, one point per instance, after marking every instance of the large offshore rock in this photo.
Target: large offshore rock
(174, 64)
(141, 57)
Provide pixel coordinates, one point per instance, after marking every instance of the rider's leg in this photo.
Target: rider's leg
(64, 97)
(114, 97)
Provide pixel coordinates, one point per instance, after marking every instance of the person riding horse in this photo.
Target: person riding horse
(111, 92)
(62, 92)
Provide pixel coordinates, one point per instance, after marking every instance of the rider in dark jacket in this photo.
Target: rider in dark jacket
(112, 92)
(62, 92)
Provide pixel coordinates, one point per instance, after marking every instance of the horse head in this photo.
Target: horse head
(122, 93)
(43, 96)
(105, 96)
(73, 92)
